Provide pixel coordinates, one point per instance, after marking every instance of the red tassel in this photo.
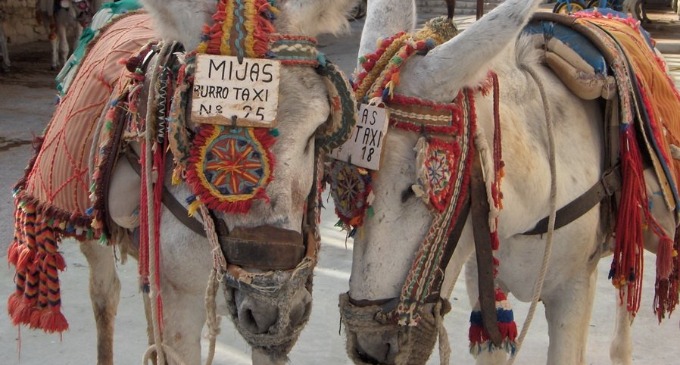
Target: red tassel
(34, 322)
(53, 320)
(59, 261)
(508, 331)
(13, 253)
(13, 302)
(26, 258)
(664, 258)
(628, 251)
(22, 312)
(477, 335)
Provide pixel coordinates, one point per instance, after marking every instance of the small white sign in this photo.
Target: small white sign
(227, 92)
(364, 147)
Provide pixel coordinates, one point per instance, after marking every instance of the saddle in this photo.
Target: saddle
(574, 50)
(605, 54)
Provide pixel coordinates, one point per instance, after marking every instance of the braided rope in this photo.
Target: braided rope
(150, 137)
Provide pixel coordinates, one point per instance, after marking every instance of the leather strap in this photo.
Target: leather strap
(265, 248)
(608, 185)
(482, 235)
(174, 206)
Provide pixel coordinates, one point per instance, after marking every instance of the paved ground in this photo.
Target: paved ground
(26, 102)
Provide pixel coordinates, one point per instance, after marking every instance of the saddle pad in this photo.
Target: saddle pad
(58, 178)
(647, 95)
(52, 199)
(572, 39)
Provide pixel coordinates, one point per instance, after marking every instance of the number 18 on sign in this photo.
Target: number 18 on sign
(364, 147)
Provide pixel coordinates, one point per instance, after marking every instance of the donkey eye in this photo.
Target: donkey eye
(407, 194)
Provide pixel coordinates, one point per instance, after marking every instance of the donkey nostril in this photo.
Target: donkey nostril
(376, 348)
(302, 307)
(254, 323)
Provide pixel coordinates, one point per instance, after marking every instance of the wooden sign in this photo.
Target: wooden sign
(364, 147)
(228, 92)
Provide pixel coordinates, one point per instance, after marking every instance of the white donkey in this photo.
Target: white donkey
(271, 318)
(59, 17)
(270, 325)
(384, 248)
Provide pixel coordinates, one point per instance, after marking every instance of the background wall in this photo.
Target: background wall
(19, 21)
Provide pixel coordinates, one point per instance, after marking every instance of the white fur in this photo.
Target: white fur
(399, 227)
(185, 256)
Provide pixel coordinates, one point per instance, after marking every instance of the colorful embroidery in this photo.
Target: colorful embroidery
(436, 162)
(350, 189)
(230, 167)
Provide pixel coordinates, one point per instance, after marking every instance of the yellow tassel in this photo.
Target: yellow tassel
(176, 175)
(202, 47)
(193, 207)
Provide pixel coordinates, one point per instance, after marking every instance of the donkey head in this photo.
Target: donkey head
(385, 321)
(271, 246)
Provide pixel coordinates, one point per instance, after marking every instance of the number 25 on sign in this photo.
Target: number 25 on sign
(364, 147)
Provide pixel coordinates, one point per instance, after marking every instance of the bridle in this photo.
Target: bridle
(273, 264)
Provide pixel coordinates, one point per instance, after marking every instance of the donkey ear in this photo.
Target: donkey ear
(465, 58)
(314, 17)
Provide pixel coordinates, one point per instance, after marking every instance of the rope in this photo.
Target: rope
(153, 264)
(444, 347)
(219, 263)
(538, 285)
(212, 321)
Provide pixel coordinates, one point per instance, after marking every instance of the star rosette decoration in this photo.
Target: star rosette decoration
(230, 167)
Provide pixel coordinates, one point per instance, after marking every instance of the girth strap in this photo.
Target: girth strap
(608, 185)
(485, 267)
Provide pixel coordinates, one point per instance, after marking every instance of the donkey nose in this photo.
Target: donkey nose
(259, 316)
(256, 316)
(377, 348)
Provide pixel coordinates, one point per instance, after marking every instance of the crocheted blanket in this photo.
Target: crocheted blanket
(52, 200)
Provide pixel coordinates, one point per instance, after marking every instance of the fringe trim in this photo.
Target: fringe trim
(479, 337)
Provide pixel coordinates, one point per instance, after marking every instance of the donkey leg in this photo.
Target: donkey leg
(63, 43)
(184, 316)
(54, 42)
(185, 269)
(621, 348)
(104, 294)
(568, 312)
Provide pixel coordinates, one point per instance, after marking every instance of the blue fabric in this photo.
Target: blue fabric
(577, 42)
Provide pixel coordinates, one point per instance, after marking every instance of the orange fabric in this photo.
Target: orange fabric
(661, 96)
(60, 175)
